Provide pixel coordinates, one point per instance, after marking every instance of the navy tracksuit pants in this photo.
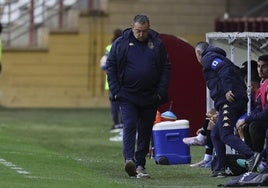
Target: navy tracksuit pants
(115, 112)
(138, 119)
(254, 134)
(223, 133)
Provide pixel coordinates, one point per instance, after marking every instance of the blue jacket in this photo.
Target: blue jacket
(222, 75)
(117, 65)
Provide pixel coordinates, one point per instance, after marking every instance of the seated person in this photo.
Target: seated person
(256, 122)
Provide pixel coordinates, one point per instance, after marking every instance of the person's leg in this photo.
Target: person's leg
(218, 145)
(205, 127)
(129, 113)
(209, 144)
(115, 112)
(257, 132)
(116, 117)
(209, 150)
(255, 138)
(232, 113)
(266, 147)
(265, 153)
(207, 160)
(202, 136)
(200, 139)
(147, 116)
(247, 138)
(130, 117)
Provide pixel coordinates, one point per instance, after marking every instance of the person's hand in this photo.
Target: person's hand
(212, 120)
(229, 96)
(211, 112)
(240, 123)
(113, 97)
(210, 125)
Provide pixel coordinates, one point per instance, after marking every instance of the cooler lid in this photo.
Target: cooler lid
(169, 125)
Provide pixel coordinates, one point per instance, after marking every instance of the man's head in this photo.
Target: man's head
(199, 49)
(244, 68)
(140, 27)
(263, 66)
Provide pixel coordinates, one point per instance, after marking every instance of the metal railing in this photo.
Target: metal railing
(21, 19)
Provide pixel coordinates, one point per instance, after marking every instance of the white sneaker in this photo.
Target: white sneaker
(203, 164)
(115, 130)
(193, 141)
(141, 172)
(118, 138)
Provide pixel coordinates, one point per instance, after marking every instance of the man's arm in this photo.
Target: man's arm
(112, 71)
(257, 115)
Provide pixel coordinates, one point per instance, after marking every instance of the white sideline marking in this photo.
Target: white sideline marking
(12, 166)
(28, 174)
(47, 178)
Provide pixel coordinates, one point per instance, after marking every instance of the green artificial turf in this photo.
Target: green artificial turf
(70, 148)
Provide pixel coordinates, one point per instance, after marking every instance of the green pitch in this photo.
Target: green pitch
(70, 148)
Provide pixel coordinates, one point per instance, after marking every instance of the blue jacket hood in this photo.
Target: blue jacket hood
(215, 50)
(211, 53)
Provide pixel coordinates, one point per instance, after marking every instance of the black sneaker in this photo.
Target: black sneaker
(253, 162)
(130, 168)
(218, 174)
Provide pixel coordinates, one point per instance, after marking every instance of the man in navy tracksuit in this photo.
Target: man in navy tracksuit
(138, 72)
(228, 91)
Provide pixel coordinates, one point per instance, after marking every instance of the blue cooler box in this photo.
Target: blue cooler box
(168, 146)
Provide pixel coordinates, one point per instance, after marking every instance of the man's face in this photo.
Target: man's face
(263, 69)
(140, 31)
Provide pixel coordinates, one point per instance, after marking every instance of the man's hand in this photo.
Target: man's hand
(230, 96)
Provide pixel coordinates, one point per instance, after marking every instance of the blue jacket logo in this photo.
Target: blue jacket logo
(150, 44)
